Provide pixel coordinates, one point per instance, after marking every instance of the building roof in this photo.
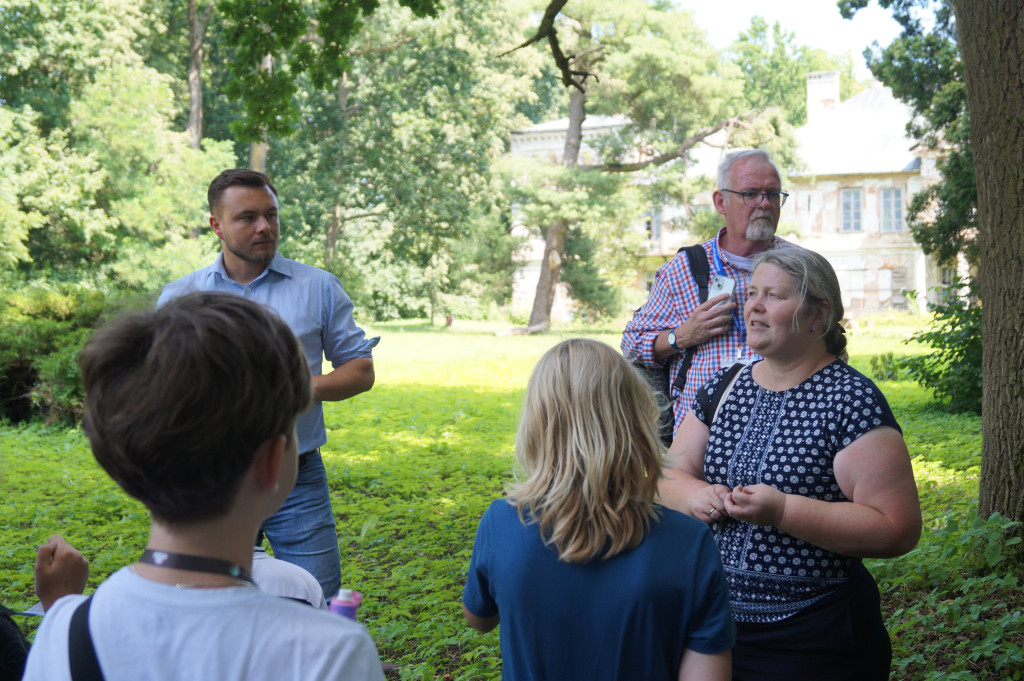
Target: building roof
(866, 134)
(562, 124)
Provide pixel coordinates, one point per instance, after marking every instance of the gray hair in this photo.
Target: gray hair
(734, 157)
(817, 282)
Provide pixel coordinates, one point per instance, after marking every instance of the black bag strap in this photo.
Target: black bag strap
(725, 387)
(698, 258)
(81, 653)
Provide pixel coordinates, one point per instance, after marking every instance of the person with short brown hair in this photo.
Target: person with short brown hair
(245, 217)
(191, 409)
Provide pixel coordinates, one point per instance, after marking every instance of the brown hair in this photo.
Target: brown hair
(589, 447)
(178, 400)
(236, 177)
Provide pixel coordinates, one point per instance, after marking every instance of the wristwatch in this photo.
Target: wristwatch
(672, 341)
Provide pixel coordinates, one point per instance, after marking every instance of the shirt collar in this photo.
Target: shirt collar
(725, 255)
(280, 265)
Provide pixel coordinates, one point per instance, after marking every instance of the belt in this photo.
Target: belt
(304, 457)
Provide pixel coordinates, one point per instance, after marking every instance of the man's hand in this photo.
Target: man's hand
(60, 570)
(708, 320)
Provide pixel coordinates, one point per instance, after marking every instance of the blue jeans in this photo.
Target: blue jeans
(302, 531)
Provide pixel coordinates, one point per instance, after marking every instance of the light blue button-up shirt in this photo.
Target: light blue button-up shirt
(315, 307)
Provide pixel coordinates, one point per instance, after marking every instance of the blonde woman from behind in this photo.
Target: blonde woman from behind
(588, 576)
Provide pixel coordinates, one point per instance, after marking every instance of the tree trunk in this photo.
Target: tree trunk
(554, 237)
(334, 229)
(196, 28)
(258, 155)
(990, 34)
(550, 268)
(258, 150)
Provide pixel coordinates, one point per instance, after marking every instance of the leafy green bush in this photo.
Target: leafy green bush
(963, 578)
(953, 371)
(886, 367)
(42, 329)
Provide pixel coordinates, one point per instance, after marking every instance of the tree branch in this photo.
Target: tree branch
(683, 147)
(547, 26)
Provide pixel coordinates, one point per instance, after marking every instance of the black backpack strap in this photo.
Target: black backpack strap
(724, 388)
(698, 258)
(81, 653)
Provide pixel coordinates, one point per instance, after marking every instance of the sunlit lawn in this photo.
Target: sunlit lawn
(412, 465)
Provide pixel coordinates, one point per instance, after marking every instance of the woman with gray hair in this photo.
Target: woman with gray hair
(801, 471)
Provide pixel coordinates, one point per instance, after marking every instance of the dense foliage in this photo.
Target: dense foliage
(952, 371)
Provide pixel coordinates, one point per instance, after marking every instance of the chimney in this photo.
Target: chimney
(822, 93)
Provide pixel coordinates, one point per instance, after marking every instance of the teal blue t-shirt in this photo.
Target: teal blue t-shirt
(626, 618)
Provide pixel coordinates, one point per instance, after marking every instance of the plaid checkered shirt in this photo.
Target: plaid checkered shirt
(673, 299)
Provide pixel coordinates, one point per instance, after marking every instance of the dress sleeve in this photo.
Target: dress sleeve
(862, 409)
(477, 595)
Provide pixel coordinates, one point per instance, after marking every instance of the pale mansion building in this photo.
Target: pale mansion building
(848, 203)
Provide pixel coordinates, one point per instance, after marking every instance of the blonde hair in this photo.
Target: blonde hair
(589, 448)
(817, 281)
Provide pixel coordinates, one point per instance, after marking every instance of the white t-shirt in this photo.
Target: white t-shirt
(278, 578)
(143, 630)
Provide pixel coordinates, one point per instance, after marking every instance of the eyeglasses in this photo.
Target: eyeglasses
(753, 199)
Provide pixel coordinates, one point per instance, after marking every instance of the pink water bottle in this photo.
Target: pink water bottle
(346, 603)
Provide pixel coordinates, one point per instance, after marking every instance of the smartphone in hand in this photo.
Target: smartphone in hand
(719, 285)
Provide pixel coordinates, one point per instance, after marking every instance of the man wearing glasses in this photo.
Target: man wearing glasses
(673, 319)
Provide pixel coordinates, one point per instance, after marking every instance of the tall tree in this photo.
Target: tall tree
(390, 170)
(649, 62)
(989, 33)
(197, 22)
(776, 68)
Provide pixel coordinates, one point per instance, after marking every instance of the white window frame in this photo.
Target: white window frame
(851, 210)
(890, 202)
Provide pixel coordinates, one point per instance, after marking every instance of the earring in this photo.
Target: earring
(813, 329)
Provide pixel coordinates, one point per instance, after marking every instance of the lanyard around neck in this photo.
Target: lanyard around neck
(716, 258)
(184, 561)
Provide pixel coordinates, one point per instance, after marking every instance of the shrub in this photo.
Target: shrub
(953, 371)
(963, 579)
(886, 367)
(42, 328)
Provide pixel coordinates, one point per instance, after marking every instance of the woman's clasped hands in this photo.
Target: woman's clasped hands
(756, 504)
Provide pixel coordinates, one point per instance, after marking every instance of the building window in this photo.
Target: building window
(891, 199)
(946, 277)
(850, 202)
(653, 223)
(898, 285)
(648, 281)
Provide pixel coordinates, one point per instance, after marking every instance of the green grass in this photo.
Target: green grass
(413, 463)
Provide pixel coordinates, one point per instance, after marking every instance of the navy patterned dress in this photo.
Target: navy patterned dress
(787, 440)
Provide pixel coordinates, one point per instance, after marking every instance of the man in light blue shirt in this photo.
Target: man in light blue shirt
(244, 216)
